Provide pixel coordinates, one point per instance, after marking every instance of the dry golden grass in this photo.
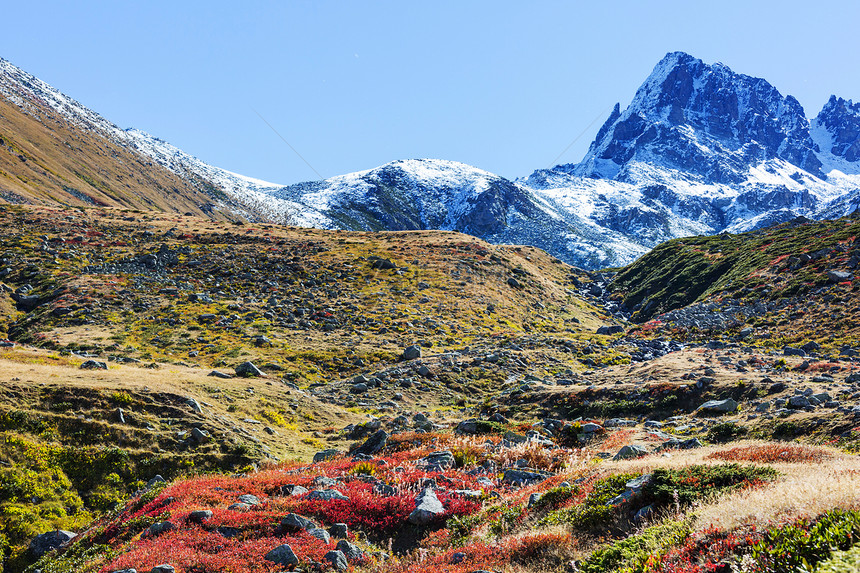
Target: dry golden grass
(30, 369)
(801, 490)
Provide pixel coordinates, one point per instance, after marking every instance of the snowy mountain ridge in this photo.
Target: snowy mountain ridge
(699, 150)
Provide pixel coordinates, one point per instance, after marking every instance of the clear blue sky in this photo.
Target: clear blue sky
(505, 86)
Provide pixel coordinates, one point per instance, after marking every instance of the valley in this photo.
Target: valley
(646, 361)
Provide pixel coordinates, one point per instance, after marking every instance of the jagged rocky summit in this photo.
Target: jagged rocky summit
(699, 150)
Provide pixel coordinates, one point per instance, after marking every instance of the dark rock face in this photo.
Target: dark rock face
(703, 119)
(841, 119)
(45, 542)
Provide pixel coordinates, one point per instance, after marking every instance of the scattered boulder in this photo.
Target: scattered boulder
(200, 436)
(438, 461)
(427, 508)
(283, 555)
(248, 369)
(350, 550)
(467, 427)
(160, 527)
(295, 522)
(630, 452)
(337, 560)
(611, 329)
(320, 534)
(219, 374)
(324, 455)
(200, 515)
(327, 495)
(339, 530)
(373, 444)
(93, 365)
(163, 568)
(720, 406)
(412, 352)
(839, 276)
(523, 476)
(49, 541)
(250, 499)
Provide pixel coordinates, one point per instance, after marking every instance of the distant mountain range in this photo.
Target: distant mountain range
(700, 150)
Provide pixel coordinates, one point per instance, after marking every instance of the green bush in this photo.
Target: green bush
(842, 562)
(696, 482)
(633, 553)
(725, 432)
(555, 497)
(594, 509)
(806, 543)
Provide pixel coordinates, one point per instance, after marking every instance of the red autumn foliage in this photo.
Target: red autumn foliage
(770, 453)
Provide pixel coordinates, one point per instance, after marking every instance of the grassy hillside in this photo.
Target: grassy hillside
(45, 160)
(414, 360)
(786, 270)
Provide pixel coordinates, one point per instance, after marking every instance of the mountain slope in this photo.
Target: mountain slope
(56, 151)
(700, 150)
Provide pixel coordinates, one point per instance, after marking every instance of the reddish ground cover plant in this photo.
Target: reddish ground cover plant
(772, 453)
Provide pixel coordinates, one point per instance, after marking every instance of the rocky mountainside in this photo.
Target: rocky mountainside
(56, 151)
(700, 150)
(184, 395)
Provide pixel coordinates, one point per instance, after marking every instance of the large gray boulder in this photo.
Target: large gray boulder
(352, 551)
(295, 522)
(248, 369)
(373, 444)
(337, 560)
(283, 555)
(324, 455)
(412, 352)
(719, 406)
(523, 476)
(327, 495)
(427, 508)
(630, 452)
(49, 541)
(438, 461)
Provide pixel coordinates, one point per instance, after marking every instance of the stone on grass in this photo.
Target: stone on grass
(325, 455)
(727, 405)
(352, 551)
(327, 495)
(295, 522)
(412, 352)
(373, 444)
(320, 534)
(200, 515)
(630, 452)
(45, 542)
(248, 369)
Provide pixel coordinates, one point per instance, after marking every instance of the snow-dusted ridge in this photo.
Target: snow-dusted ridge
(700, 150)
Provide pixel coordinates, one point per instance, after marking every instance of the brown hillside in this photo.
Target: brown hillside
(46, 160)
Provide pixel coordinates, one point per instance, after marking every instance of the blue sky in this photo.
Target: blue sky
(505, 86)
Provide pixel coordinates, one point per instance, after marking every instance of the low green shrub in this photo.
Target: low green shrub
(725, 432)
(633, 553)
(806, 543)
(842, 562)
(594, 510)
(556, 497)
(688, 484)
